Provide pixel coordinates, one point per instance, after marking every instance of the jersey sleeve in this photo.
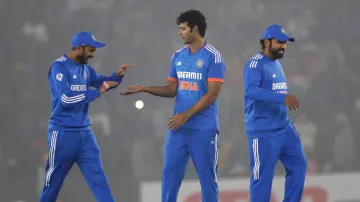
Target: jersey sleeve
(252, 89)
(97, 79)
(217, 69)
(172, 73)
(59, 81)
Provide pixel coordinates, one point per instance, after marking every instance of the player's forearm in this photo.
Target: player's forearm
(202, 104)
(99, 79)
(257, 93)
(161, 91)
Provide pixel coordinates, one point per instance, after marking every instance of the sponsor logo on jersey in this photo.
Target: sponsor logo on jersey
(189, 85)
(78, 87)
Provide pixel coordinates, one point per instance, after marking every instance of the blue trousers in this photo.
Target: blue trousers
(202, 147)
(66, 148)
(265, 153)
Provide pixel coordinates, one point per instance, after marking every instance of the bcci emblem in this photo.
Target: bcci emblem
(59, 76)
(283, 30)
(199, 63)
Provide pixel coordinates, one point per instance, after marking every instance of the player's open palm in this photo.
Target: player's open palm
(292, 102)
(177, 121)
(122, 69)
(133, 89)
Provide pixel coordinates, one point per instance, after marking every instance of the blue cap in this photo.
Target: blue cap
(86, 39)
(277, 32)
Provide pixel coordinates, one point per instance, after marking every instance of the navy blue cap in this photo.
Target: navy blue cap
(86, 39)
(277, 32)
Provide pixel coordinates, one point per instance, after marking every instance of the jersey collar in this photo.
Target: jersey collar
(202, 47)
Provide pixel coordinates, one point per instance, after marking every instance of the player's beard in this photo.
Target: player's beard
(276, 54)
(82, 58)
(188, 39)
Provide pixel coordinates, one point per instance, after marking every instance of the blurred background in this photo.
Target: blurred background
(320, 66)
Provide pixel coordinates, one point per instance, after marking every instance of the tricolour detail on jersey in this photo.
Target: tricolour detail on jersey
(216, 80)
(171, 79)
(216, 53)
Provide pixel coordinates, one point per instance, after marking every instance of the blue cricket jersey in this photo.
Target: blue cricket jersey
(71, 93)
(193, 71)
(265, 91)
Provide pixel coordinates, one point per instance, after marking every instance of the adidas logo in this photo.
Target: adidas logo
(274, 75)
(74, 77)
(179, 63)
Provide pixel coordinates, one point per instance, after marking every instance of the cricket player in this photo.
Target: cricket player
(271, 134)
(195, 79)
(73, 86)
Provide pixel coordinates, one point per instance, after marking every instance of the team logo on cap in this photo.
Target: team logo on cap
(199, 63)
(283, 30)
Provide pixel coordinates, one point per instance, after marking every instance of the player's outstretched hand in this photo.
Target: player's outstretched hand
(177, 121)
(292, 102)
(133, 89)
(106, 85)
(122, 69)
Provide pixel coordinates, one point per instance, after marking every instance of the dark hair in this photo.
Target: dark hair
(262, 42)
(193, 17)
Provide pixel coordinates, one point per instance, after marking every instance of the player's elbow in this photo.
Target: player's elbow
(212, 96)
(249, 92)
(173, 94)
(172, 91)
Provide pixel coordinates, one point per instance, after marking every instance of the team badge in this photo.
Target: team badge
(59, 76)
(199, 63)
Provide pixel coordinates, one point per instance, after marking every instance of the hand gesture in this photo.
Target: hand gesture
(133, 89)
(177, 121)
(292, 102)
(122, 69)
(106, 85)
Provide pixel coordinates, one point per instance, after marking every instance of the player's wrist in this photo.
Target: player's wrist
(188, 114)
(119, 75)
(102, 90)
(145, 89)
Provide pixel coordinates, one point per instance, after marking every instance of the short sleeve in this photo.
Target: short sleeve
(217, 68)
(172, 73)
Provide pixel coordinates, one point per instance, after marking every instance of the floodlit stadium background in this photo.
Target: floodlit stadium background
(321, 68)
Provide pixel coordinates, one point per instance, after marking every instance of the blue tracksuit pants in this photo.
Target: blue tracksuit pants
(202, 147)
(265, 153)
(66, 148)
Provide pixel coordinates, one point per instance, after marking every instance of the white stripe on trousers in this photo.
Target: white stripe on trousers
(51, 157)
(256, 170)
(216, 161)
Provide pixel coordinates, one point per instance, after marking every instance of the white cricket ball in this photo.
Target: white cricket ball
(139, 104)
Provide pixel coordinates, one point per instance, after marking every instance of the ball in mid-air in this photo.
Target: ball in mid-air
(139, 104)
